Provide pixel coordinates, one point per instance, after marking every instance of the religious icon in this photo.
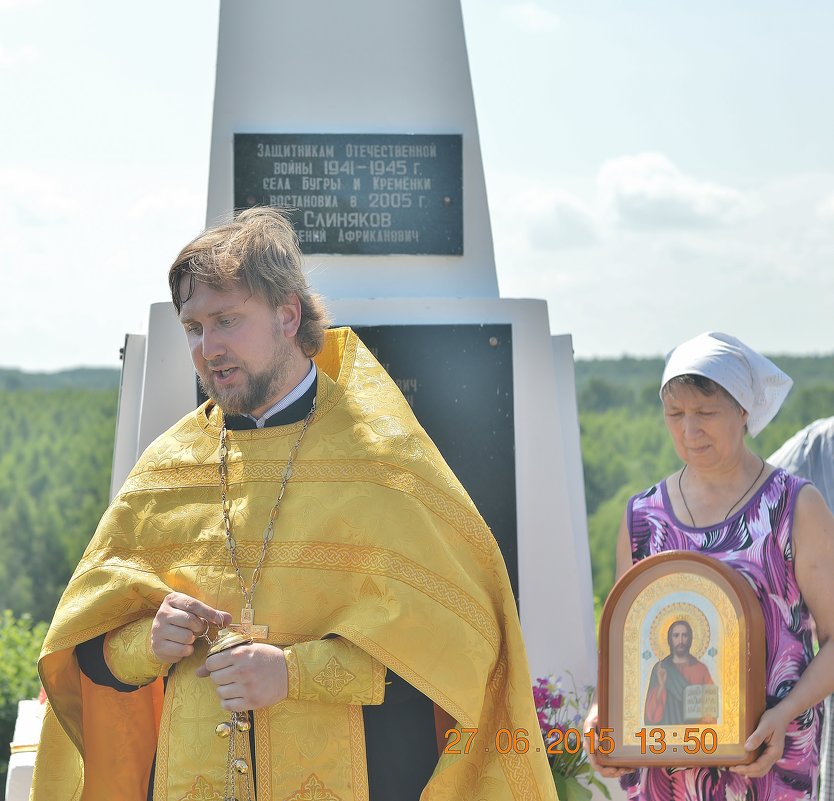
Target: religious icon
(681, 664)
(680, 686)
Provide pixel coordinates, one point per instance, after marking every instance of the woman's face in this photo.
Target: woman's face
(708, 430)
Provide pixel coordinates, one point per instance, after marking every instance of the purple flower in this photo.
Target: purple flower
(561, 711)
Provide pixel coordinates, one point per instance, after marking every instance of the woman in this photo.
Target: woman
(775, 528)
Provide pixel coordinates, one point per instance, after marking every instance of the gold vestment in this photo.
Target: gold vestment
(377, 543)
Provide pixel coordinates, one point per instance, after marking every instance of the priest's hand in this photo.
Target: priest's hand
(249, 676)
(179, 621)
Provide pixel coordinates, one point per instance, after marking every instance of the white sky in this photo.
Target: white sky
(655, 168)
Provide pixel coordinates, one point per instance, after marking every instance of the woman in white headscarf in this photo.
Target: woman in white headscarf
(729, 503)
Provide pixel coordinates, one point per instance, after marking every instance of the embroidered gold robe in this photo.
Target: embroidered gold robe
(376, 543)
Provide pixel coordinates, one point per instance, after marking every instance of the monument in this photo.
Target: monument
(368, 130)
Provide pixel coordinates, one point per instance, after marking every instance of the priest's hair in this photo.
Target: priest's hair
(259, 248)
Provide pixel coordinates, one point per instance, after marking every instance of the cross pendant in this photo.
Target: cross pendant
(247, 625)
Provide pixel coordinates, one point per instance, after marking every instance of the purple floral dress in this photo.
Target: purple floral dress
(757, 542)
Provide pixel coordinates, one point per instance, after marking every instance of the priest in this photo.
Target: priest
(291, 597)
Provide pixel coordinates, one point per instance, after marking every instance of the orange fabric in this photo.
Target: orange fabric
(443, 721)
(106, 710)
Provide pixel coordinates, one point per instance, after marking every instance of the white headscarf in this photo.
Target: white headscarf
(755, 382)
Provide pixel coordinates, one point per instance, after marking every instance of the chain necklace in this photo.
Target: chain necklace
(238, 768)
(743, 496)
(247, 614)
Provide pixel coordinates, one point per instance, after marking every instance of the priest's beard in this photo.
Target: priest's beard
(259, 390)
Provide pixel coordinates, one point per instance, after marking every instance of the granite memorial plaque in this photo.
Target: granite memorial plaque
(358, 194)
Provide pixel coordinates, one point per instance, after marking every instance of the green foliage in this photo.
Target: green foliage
(625, 372)
(606, 519)
(598, 395)
(79, 378)
(20, 644)
(622, 447)
(639, 373)
(54, 483)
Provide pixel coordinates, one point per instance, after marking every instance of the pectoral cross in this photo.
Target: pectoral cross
(247, 625)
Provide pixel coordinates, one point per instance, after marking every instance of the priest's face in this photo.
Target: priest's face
(243, 348)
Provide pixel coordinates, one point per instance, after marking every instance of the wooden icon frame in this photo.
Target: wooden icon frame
(727, 633)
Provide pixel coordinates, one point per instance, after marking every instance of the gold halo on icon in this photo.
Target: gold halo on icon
(679, 610)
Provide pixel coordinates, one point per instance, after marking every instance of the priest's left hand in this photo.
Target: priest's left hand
(249, 676)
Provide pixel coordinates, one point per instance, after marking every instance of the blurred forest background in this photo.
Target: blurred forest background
(57, 433)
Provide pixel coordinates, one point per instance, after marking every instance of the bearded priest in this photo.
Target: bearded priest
(291, 597)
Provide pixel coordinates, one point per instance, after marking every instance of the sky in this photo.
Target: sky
(655, 168)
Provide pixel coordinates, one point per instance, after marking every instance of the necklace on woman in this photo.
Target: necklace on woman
(238, 768)
(741, 498)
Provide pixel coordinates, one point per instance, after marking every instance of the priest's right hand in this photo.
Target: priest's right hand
(179, 621)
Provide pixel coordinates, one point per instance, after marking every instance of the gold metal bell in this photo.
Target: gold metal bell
(243, 724)
(223, 729)
(241, 766)
(228, 638)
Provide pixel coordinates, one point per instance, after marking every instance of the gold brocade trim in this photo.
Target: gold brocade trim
(293, 674)
(519, 775)
(516, 766)
(129, 655)
(405, 672)
(71, 640)
(334, 677)
(263, 753)
(358, 757)
(313, 790)
(202, 790)
(313, 555)
(467, 521)
(160, 788)
(377, 682)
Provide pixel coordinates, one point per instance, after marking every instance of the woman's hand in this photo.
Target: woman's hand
(770, 733)
(609, 771)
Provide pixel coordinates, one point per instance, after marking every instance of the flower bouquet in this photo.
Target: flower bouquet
(561, 712)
